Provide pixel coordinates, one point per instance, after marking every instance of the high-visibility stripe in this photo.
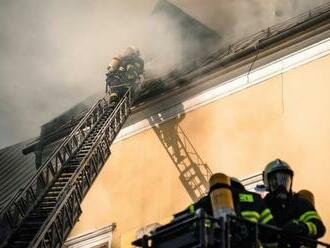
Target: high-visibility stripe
(270, 245)
(252, 219)
(312, 230)
(308, 218)
(265, 216)
(265, 213)
(191, 209)
(266, 219)
(312, 216)
(251, 215)
(309, 215)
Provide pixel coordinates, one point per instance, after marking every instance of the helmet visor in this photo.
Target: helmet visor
(278, 179)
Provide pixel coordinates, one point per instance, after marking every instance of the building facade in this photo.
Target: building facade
(161, 163)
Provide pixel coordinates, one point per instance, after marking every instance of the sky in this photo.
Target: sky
(54, 53)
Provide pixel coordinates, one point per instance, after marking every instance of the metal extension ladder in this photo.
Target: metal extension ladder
(46, 209)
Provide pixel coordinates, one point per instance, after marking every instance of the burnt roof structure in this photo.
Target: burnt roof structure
(196, 39)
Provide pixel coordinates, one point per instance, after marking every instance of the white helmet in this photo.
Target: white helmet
(131, 51)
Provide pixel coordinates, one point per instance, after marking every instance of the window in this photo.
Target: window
(100, 238)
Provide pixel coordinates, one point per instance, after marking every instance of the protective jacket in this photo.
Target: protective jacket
(296, 211)
(134, 67)
(249, 206)
(127, 72)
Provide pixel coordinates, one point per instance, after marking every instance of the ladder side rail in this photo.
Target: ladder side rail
(26, 198)
(90, 171)
(76, 187)
(124, 103)
(252, 177)
(256, 178)
(63, 216)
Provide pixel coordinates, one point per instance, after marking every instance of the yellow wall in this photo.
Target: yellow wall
(284, 117)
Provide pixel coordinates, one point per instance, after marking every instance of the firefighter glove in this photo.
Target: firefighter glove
(296, 228)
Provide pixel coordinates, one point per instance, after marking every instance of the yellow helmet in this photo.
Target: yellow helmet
(115, 63)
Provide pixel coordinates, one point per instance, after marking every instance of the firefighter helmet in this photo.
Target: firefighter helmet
(131, 51)
(114, 65)
(281, 169)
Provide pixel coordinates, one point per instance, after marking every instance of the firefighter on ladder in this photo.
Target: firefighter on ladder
(124, 71)
(293, 213)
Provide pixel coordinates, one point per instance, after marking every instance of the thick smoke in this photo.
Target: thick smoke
(236, 19)
(54, 53)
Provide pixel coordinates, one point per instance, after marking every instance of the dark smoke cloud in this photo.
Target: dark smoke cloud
(54, 53)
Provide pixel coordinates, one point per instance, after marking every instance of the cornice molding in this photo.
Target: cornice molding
(99, 237)
(229, 87)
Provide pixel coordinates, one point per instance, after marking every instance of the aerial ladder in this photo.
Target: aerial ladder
(43, 212)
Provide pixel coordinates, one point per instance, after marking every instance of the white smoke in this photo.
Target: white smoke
(236, 19)
(54, 53)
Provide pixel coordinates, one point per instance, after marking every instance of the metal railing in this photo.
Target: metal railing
(204, 231)
(255, 39)
(61, 220)
(238, 49)
(252, 182)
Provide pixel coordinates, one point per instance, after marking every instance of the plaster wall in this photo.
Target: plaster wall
(284, 117)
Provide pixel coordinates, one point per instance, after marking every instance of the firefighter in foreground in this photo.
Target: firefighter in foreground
(124, 71)
(227, 196)
(294, 214)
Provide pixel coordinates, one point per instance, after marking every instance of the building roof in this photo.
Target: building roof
(195, 38)
(15, 170)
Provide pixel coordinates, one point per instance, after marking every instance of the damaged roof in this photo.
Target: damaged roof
(15, 170)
